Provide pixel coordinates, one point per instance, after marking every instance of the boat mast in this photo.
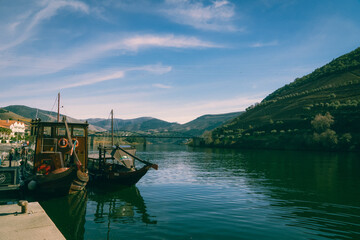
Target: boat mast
(58, 113)
(112, 127)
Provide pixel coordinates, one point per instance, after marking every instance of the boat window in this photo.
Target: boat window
(49, 145)
(47, 132)
(61, 132)
(79, 132)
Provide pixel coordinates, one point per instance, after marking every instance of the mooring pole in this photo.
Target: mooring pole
(112, 127)
(58, 113)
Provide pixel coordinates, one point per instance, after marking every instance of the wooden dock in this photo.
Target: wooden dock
(34, 224)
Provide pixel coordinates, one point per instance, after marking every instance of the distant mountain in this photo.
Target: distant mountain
(137, 124)
(290, 117)
(204, 123)
(6, 114)
(24, 112)
(32, 113)
(143, 124)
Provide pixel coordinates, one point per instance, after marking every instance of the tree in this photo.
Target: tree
(322, 122)
(323, 134)
(328, 138)
(207, 135)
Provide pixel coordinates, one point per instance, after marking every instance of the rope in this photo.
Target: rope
(106, 134)
(53, 107)
(116, 129)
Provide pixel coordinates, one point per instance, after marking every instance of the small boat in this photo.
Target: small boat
(116, 164)
(58, 163)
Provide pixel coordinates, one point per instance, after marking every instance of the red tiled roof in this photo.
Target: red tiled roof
(8, 123)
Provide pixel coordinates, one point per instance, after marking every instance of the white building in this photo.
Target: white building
(14, 126)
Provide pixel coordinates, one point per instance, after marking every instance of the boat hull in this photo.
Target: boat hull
(118, 177)
(60, 182)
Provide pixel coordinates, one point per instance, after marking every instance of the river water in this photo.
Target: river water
(222, 194)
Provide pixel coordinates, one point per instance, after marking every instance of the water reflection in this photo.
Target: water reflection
(317, 192)
(68, 214)
(332, 177)
(119, 204)
(222, 193)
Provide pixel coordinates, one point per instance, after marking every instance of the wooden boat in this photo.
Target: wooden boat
(115, 164)
(58, 164)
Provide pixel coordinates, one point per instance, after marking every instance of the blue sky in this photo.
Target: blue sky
(170, 59)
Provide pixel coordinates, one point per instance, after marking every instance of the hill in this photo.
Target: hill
(140, 125)
(193, 128)
(204, 123)
(23, 112)
(6, 114)
(288, 117)
(133, 125)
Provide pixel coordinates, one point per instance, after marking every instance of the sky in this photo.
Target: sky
(174, 60)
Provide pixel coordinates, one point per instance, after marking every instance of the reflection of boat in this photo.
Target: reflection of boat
(57, 166)
(68, 214)
(116, 164)
(120, 204)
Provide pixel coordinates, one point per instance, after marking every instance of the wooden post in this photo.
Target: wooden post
(112, 127)
(144, 144)
(24, 206)
(58, 113)
(92, 142)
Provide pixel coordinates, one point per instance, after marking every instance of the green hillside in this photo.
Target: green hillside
(286, 119)
(6, 114)
(142, 125)
(193, 128)
(137, 124)
(204, 123)
(28, 113)
(32, 113)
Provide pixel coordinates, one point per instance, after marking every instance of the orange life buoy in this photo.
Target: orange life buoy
(44, 169)
(76, 142)
(63, 142)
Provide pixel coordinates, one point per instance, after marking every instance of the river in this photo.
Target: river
(222, 194)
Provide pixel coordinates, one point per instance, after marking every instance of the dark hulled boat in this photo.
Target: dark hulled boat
(115, 164)
(58, 164)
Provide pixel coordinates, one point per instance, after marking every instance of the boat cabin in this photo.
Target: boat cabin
(52, 147)
(113, 159)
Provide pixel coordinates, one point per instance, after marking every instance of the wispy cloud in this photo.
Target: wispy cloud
(162, 86)
(217, 16)
(155, 69)
(24, 26)
(38, 65)
(134, 43)
(84, 80)
(93, 78)
(81, 80)
(264, 44)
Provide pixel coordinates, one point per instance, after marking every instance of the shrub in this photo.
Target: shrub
(322, 122)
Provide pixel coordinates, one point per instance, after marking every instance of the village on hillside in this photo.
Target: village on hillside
(11, 131)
